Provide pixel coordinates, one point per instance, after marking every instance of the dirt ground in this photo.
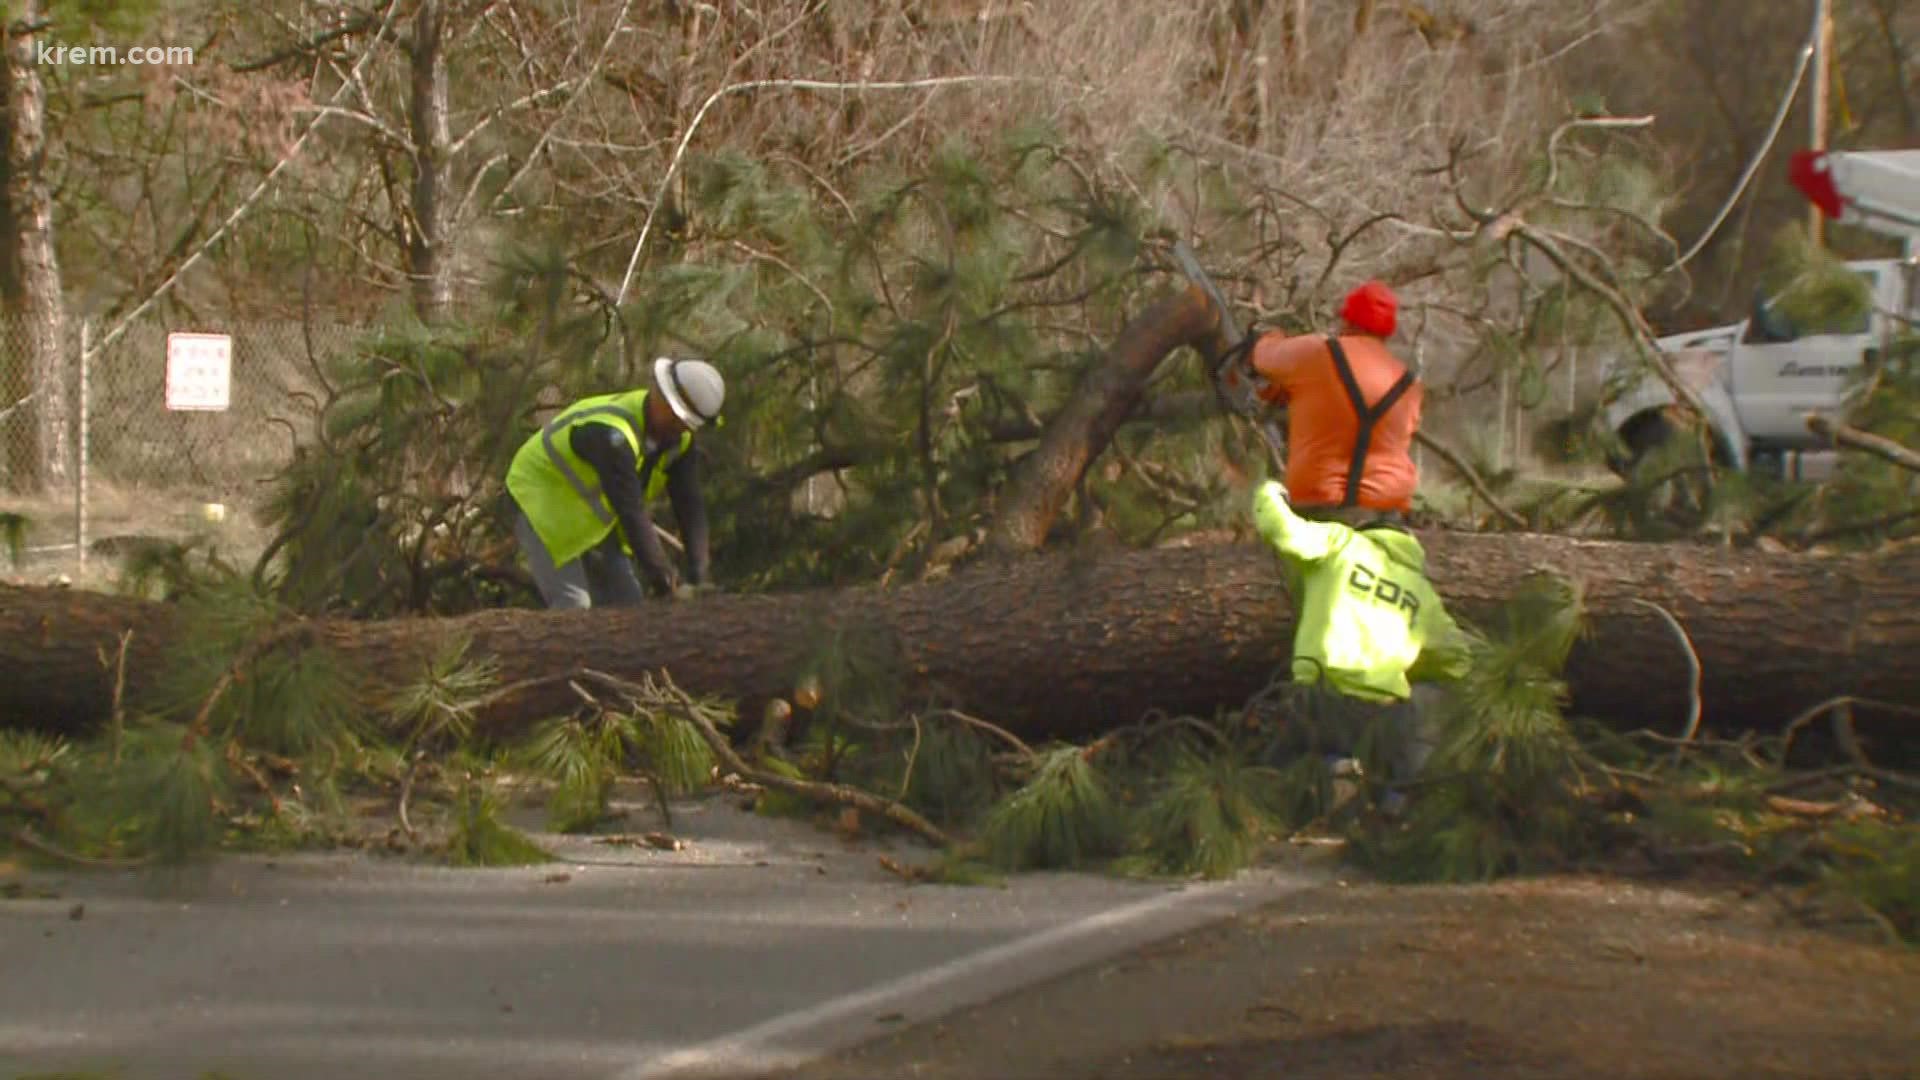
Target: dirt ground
(116, 516)
(1561, 978)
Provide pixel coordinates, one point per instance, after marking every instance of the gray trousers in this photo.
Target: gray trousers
(1401, 736)
(601, 577)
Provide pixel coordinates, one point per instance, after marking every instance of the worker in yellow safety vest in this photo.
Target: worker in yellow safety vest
(581, 484)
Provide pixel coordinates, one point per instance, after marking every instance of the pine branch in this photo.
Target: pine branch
(1853, 438)
(840, 794)
(1472, 477)
(700, 115)
(298, 631)
(1501, 225)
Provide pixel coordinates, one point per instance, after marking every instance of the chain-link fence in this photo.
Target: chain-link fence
(96, 448)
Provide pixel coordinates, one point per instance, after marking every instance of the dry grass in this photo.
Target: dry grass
(118, 516)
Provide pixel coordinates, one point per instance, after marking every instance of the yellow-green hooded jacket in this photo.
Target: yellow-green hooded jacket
(1368, 620)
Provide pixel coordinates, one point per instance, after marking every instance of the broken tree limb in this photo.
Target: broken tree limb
(1854, 439)
(1471, 476)
(1078, 643)
(818, 791)
(1101, 402)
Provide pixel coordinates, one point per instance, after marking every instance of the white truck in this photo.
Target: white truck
(1760, 378)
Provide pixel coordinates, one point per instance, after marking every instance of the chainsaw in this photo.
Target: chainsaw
(1233, 377)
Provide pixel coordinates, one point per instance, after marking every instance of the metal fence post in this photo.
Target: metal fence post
(80, 440)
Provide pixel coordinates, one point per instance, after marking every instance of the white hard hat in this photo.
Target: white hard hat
(693, 388)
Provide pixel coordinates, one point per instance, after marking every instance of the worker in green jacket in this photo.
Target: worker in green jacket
(580, 488)
(1369, 627)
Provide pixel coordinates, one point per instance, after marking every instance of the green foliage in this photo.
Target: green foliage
(28, 754)
(1669, 491)
(88, 21)
(167, 570)
(1811, 287)
(1497, 795)
(239, 681)
(13, 536)
(581, 755)
(396, 509)
(269, 687)
(673, 752)
(585, 753)
(1209, 814)
(1064, 816)
(1870, 500)
(774, 802)
(1879, 865)
(162, 799)
(952, 779)
(436, 710)
(480, 838)
(857, 664)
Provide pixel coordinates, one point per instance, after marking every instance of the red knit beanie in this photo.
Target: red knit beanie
(1371, 308)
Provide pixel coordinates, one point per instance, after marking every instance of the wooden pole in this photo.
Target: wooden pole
(82, 406)
(1822, 62)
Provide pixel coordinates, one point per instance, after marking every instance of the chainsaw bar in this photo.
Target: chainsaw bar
(1232, 378)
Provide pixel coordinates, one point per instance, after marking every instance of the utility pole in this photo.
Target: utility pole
(1822, 64)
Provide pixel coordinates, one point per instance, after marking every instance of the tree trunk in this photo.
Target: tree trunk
(30, 292)
(1069, 644)
(1102, 401)
(430, 260)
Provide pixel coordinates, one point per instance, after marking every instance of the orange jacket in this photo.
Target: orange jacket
(1323, 425)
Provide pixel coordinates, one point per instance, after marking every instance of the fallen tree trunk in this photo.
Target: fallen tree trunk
(1072, 643)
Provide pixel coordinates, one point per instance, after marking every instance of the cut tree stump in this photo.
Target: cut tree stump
(1068, 644)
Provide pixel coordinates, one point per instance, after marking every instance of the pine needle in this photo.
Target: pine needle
(952, 777)
(164, 795)
(299, 705)
(480, 838)
(28, 753)
(1209, 815)
(437, 708)
(1498, 793)
(13, 536)
(1879, 866)
(1064, 816)
(572, 753)
(675, 753)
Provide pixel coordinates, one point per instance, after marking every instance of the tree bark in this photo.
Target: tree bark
(1070, 644)
(430, 260)
(1099, 405)
(30, 290)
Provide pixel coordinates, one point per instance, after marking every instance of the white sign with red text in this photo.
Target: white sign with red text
(199, 372)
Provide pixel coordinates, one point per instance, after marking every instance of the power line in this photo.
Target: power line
(1773, 133)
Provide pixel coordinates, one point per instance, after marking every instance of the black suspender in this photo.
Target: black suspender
(1369, 414)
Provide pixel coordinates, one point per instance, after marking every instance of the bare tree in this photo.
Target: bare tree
(30, 288)
(429, 261)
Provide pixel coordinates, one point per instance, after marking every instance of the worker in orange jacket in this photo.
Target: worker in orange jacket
(1352, 408)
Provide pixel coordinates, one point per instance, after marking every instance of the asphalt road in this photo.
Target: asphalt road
(763, 944)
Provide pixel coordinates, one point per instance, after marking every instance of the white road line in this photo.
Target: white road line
(800, 1036)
